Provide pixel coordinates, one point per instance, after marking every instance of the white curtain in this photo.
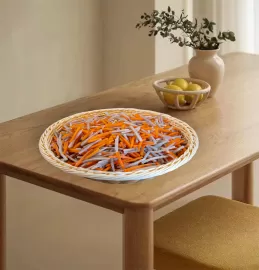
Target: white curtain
(256, 32)
(240, 16)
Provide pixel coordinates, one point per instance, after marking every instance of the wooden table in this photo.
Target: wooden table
(227, 125)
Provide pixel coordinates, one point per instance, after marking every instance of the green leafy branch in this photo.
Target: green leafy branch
(193, 34)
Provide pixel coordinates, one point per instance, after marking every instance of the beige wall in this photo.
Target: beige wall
(128, 54)
(167, 55)
(131, 54)
(49, 51)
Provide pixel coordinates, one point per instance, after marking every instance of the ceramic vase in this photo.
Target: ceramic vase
(208, 66)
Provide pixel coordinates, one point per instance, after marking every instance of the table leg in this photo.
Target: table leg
(242, 184)
(138, 238)
(2, 222)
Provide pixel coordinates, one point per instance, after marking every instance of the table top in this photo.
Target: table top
(227, 126)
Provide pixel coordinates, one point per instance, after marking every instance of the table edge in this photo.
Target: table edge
(64, 188)
(203, 181)
(116, 204)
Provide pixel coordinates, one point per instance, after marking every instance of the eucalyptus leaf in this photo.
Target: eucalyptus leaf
(180, 30)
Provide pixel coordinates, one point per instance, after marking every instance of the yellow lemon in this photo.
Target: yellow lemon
(193, 87)
(170, 98)
(173, 87)
(182, 83)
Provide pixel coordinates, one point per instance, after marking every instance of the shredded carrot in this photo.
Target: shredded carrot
(90, 163)
(133, 168)
(135, 155)
(140, 145)
(65, 147)
(108, 167)
(85, 131)
(92, 153)
(135, 159)
(148, 143)
(124, 140)
(119, 159)
(132, 141)
(74, 135)
(66, 135)
(85, 137)
(71, 163)
(86, 156)
(100, 144)
(55, 147)
(173, 134)
(73, 150)
(142, 150)
(121, 144)
(77, 145)
(95, 138)
(173, 155)
(156, 132)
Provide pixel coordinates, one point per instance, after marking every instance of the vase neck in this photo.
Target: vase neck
(206, 53)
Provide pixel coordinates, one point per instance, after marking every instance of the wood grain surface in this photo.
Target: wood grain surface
(138, 239)
(243, 184)
(227, 126)
(2, 222)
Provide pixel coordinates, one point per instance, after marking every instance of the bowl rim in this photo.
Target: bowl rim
(156, 85)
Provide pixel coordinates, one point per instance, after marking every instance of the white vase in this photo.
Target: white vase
(208, 66)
